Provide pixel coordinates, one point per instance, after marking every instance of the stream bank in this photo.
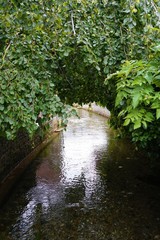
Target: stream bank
(85, 185)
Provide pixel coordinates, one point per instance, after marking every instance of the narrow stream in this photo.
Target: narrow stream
(85, 185)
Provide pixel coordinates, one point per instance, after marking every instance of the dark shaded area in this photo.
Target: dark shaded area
(13, 151)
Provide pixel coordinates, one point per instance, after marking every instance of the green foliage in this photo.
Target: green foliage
(138, 99)
(54, 53)
(135, 88)
(27, 93)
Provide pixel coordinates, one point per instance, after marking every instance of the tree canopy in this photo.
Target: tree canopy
(54, 53)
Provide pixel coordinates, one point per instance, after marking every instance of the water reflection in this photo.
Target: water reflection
(83, 186)
(67, 176)
(79, 159)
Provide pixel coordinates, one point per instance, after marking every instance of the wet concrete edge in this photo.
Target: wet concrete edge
(94, 108)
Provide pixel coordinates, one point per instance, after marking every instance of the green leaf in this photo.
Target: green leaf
(105, 61)
(156, 81)
(1, 107)
(137, 124)
(126, 122)
(149, 117)
(149, 77)
(156, 48)
(136, 99)
(98, 68)
(155, 104)
(3, 87)
(138, 81)
(120, 96)
(144, 124)
(157, 113)
(2, 100)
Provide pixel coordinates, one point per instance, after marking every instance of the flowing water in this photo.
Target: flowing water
(84, 185)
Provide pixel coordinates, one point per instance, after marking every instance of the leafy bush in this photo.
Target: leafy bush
(27, 91)
(54, 53)
(138, 99)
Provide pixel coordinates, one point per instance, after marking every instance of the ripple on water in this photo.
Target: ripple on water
(83, 186)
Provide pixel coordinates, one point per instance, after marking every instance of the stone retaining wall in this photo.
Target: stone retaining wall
(97, 109)
(13, 152)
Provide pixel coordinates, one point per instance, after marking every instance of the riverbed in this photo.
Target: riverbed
(85, 185)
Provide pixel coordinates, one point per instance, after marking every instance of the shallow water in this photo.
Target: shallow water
(84, 185)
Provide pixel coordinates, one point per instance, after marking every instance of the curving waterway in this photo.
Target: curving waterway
(84, 185)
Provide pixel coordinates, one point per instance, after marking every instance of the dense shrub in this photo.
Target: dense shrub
(54, 53)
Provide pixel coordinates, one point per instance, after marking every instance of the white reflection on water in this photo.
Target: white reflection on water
(78, 154)
(81, 141)
(75, 157)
